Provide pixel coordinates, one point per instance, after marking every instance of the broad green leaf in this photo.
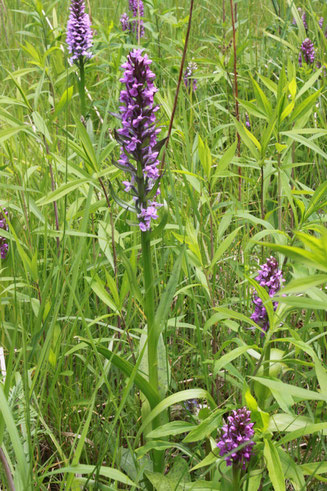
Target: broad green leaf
(99, 289)
(204, 156)
(9, 132)
(168, 296)
(87, 145)
(313, 468)
(229, 357)
(22, 464)
(307, 429)
(205, 428)
(294, 135)
(291, 470)
(173, 428)
(292, 390)
(282, 422)
(312, 80)
(262, 100)
(108, 472)
(209, 459)
(301, 285)
(223, 163)
(61, 192)
(305, 106)
(184, 395)
(248, 139)
(227, 242)
(274, 466)
(41, 126)
(230, 314)
(64, 101)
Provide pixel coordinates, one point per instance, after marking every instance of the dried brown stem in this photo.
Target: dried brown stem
(237, 115)
(178, 86)
(7, 471)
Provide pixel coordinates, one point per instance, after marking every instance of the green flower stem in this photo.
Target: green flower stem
(149, 309)
(149, 306)
(81, 88)
(236, 477)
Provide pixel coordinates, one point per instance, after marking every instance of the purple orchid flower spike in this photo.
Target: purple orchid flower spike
(188, 74)
(4, 246)
(238, 431)
(125, 23)
(270, 278)
(307, 53)
(138, 136)
(79, 33)
(137, 9)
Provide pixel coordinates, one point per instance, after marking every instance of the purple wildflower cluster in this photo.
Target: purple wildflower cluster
(303, 16)
(270, 278)
(79, 33)
(321, 22)
(238, 431)
(124, 21)
(136, 8)
(138, 137)
(189, 72)
(307, 53)
(3, 226)
(247, 121)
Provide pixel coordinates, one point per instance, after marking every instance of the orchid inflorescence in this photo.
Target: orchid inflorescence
(270, 278)
(238, 432)
(136, 8)
(3, 226)
(79, 33)
(138, 136)
(190, 82)
(307, 53)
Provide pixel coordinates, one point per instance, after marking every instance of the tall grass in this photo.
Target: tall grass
(76, 404)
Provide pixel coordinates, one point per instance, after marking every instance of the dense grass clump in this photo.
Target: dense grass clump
(163, 245)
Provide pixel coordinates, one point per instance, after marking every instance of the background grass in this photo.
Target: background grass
(63, 403)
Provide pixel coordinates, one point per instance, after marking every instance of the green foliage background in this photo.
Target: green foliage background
(72, 415)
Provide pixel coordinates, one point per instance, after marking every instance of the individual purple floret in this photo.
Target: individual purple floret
(303, 16)
(79, 33)
(125, 24)
(247, 121)
(138, 136)
(189, 72)
(307, 53)
(137, 9)
(270, 278)
(3, 226)
(321, 22)
(238, 431)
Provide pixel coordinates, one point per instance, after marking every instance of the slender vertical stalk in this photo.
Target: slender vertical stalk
(236, 477)
(53, 187)
(81, 87)
(113, 244)
(237, 115)
(149, 308)
(224, 19)
(279, 192)
(178, 86)
(138, 22)
(261, 192)
(7, 471)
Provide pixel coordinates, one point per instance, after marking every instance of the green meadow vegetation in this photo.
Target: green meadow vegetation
(143, 334)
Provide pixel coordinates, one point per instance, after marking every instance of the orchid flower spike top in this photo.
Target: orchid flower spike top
(79, 33)
(138, 136)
